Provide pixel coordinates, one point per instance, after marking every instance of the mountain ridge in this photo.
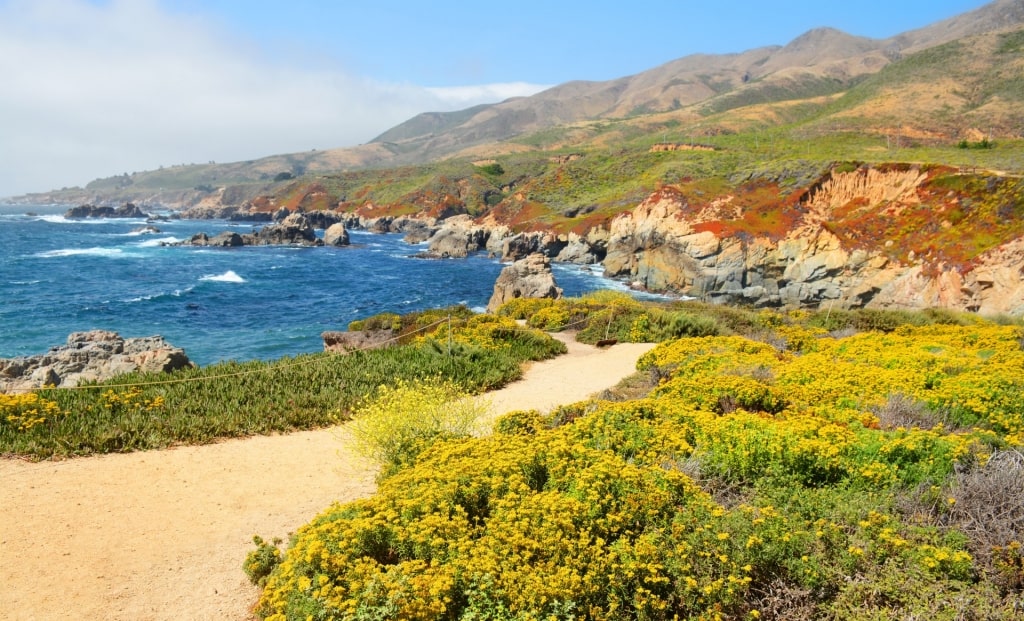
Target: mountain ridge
(822, 52)
(697, 95)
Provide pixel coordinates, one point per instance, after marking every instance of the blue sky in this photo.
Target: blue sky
(455, 43)
(93, 88)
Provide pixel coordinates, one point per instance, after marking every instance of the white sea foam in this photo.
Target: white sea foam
(140, 232)
(228, 276)
(142, 298)
(156, 296)
(59, 219)
(153, 243)
(25, 282)
(54, 218)
(74, 252)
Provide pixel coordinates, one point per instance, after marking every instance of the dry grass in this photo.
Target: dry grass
(900, 410)
(989, 503)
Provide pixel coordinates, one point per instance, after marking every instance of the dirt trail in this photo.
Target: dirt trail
(162, 534)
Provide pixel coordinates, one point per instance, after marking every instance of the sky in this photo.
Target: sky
(94, 88)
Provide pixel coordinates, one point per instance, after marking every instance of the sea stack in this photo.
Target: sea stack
(530, 277)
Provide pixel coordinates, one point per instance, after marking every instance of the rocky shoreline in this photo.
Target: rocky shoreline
(99, 355)
(295, 229)
(679, 244)
(91, 356)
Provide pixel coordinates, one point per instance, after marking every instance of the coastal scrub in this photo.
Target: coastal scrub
(757, 480)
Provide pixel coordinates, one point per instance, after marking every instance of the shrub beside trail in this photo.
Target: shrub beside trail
(757, 480)
(234, 399)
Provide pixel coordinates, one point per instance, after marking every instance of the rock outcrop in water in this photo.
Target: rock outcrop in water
(294, 230)
(128, 210)
(90, 356)
(336, 235)
(527, 278)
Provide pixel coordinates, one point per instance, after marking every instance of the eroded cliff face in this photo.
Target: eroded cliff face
(820, 256)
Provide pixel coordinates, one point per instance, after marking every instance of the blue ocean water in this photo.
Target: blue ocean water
(59, 276)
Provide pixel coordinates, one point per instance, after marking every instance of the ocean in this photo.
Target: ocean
(59, 276)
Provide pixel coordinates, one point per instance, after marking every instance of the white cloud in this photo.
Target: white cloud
(91, 90)
(472, 95)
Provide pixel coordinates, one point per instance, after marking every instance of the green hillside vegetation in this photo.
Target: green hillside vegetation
(855, 465)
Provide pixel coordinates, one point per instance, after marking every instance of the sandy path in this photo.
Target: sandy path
(162, 534)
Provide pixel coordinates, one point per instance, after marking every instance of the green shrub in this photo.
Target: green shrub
(887, 320)
(382, 321)
(494, 169)
(520, 423)
(262, 561)
(680, 324)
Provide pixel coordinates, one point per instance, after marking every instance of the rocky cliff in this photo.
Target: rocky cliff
(896, 238)
(891, 236)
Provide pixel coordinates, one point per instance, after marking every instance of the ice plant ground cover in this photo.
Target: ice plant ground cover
(797, 474)
(233, 399)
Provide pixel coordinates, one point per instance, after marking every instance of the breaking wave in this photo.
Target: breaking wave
(228, 276)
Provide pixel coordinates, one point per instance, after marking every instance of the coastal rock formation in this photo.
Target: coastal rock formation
(128, 210)
(524, 244)
(336, 235)
(417, 230)
(320, 219)
(295, 229)
(227, 239)
(218, 211)
(585, 249)
(813, 259)
(356, 340)
(90, 356)
(527, 278)
(457, 238)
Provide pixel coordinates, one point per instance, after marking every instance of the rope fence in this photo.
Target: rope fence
(298, 363)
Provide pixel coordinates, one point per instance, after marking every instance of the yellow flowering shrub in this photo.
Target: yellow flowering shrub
(400, 421)
(749, 470)
(523, 308)
(550, 318)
